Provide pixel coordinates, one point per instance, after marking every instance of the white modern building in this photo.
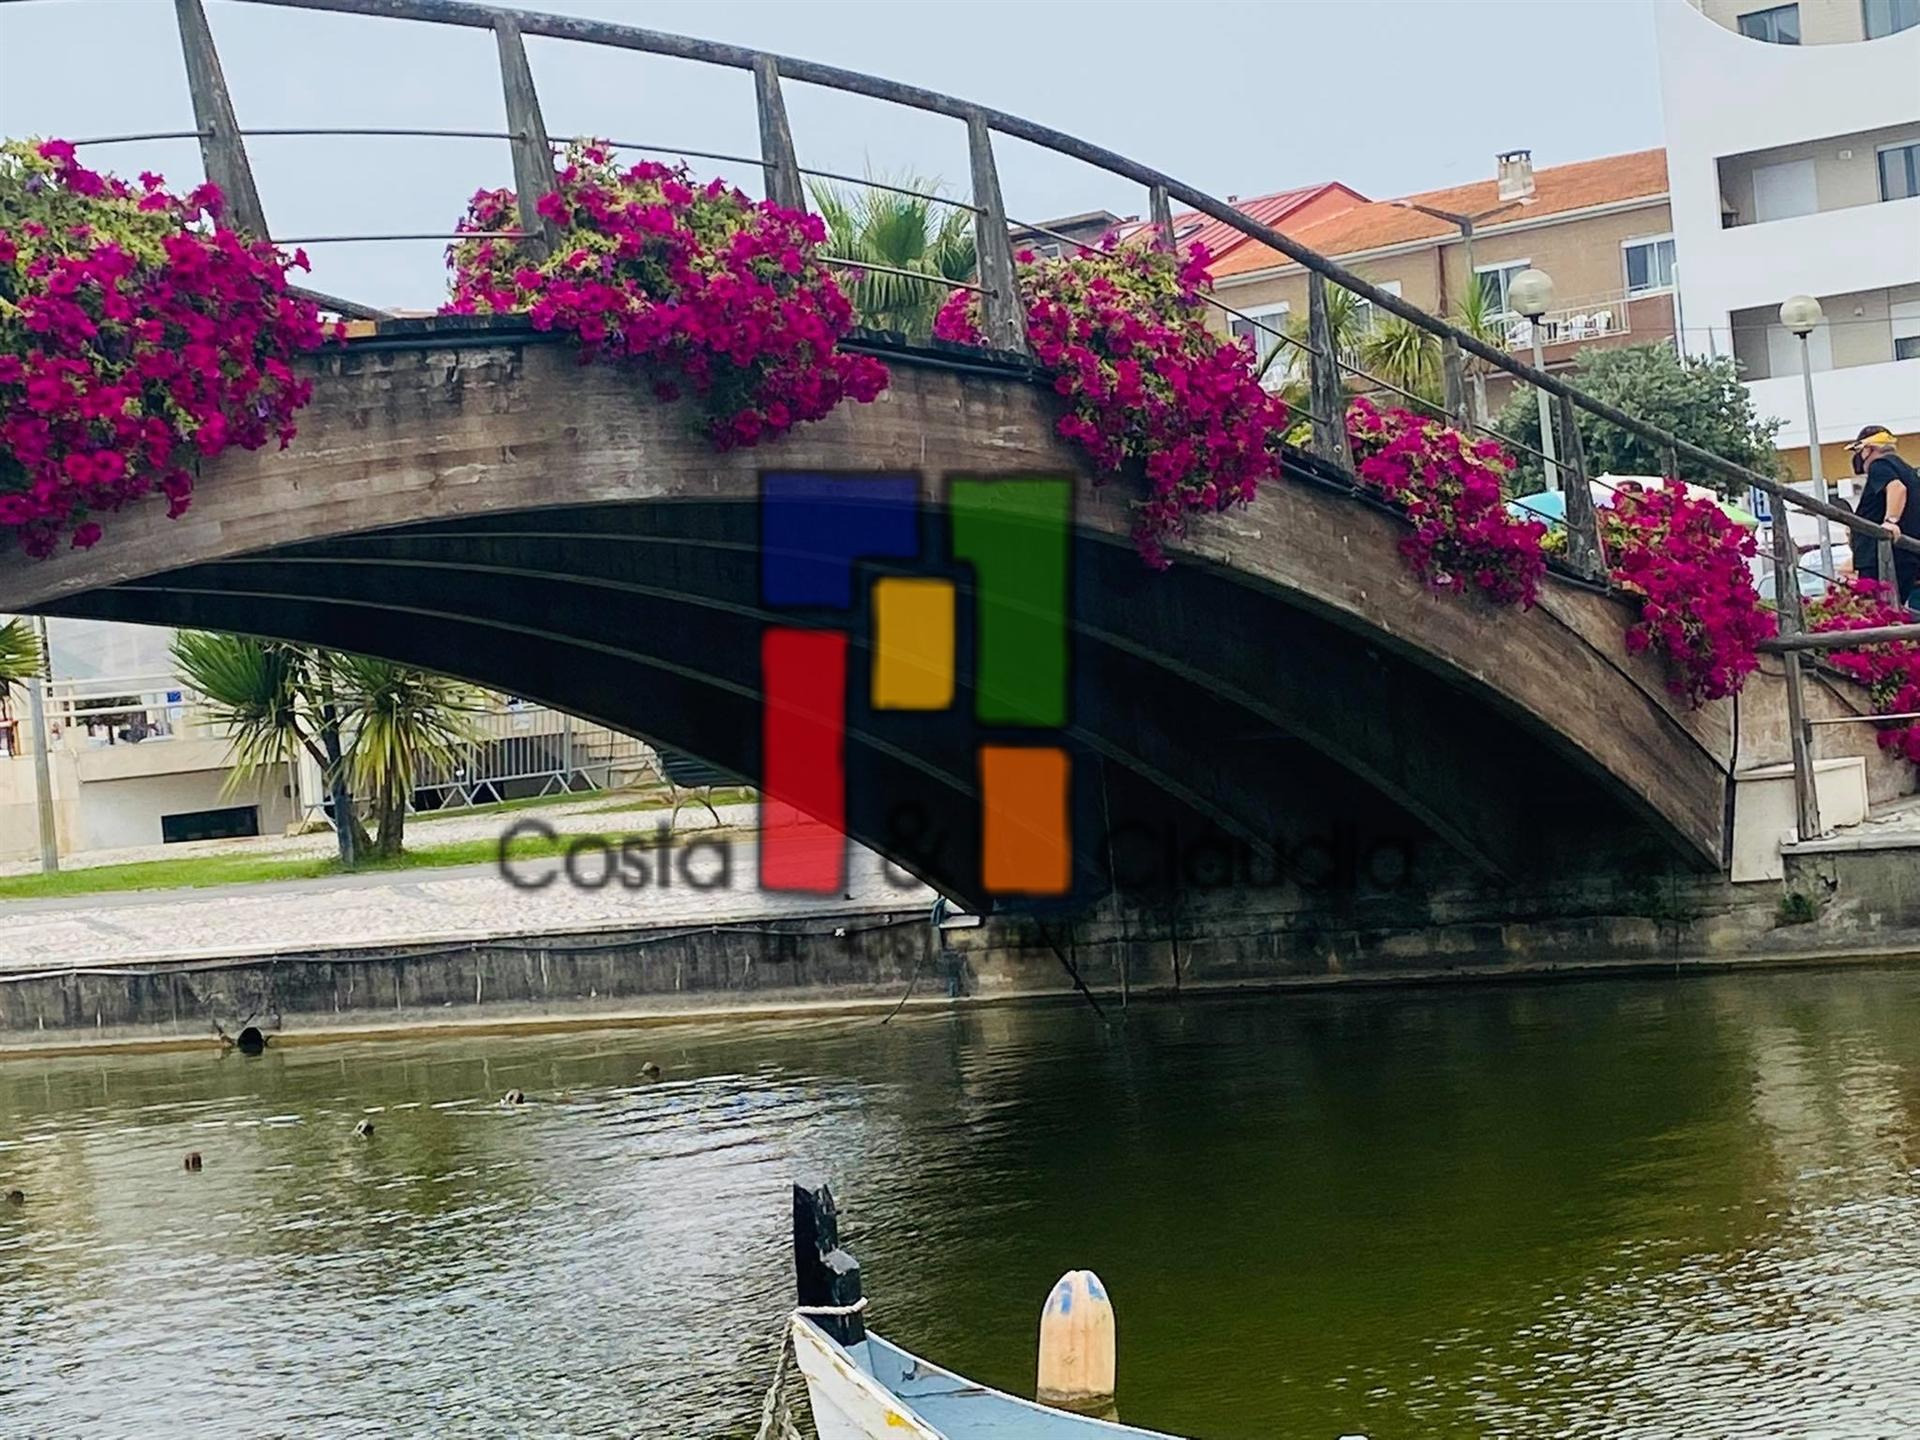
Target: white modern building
(1793, 160)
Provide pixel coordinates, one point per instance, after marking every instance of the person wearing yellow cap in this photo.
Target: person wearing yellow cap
(1890, 498)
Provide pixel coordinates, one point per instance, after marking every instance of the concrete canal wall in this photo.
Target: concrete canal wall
(1838, 904)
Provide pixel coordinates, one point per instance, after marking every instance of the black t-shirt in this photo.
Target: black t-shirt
(1873, 499)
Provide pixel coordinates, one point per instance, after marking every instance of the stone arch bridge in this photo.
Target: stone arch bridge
(465, 496)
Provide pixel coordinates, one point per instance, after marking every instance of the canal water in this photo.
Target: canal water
(1686, 1208)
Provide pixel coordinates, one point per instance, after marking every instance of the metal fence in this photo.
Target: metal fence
(520, 750)
(223, 148)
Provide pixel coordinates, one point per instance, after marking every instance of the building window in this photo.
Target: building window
(1263, 328)
(1889, 17)
(1494, 281)
(228, 823)
(1649, 264)
(1905, 315)
(1363, 317)
(1778, 26)
(1900, 170)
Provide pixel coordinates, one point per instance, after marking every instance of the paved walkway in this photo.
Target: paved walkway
(429, 906)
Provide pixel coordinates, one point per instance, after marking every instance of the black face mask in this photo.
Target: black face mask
(1859, 463)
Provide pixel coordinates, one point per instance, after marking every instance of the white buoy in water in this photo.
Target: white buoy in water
(1077, 1347)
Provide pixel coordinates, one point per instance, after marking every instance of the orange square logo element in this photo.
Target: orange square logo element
(1024, 847)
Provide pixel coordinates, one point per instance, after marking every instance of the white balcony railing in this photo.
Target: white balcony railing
(1594, 318)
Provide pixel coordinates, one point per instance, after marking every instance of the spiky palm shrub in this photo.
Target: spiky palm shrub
(19, 655)
(402, 718)
(883, 228)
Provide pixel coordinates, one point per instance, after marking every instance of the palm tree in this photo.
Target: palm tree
(1346, 317)
(20, 659)
(1476, 315)
(402, 719)
(1402, 354)
(900, 232)
(275, 701)
(19, 655)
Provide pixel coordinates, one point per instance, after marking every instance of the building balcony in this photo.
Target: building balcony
(1846, 398)
(1607, 320)
(1866, 247)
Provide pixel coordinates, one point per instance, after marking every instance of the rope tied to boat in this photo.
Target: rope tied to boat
(776, 1411)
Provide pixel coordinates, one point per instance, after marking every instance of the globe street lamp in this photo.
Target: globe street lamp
(1801, 314)
(1531, 294)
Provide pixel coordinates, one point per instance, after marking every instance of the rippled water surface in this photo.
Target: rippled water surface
(1621, 1209)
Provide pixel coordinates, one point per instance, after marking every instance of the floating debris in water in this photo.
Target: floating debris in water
(364, 1128)
(192, 1162)
(514, 1097)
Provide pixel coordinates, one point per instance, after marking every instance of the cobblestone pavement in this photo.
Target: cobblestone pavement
(425, 906)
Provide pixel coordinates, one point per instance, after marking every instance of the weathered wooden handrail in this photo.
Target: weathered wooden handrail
(1792, 616)
(983, 118)
(1161, 209)
(1584, 551)
(222, 151)
(532, 151)
(1841, 640)
(1323, 379)
(1004, 316)
(778, 164)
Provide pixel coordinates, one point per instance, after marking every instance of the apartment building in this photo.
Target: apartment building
(1793, 146)
(1601, 228)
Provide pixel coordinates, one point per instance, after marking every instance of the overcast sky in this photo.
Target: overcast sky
(1389, 96)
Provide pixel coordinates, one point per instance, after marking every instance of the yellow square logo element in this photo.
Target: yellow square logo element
(912, 643)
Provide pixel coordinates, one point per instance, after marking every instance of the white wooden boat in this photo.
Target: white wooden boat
(874, 1390)
(861, 1387)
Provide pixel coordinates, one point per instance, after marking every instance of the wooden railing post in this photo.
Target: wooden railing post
(777, 160)
(1888, 576)
(1160, 208)
(1786, 599)
(1323, 372)
(1453, 374)
(1003, 311)
(1584, 551)
(1670, 463)
(532, 151)
(222, 151)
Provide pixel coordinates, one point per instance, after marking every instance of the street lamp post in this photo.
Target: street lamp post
(42, 774)
(1464, 224)
(1531, 294)
(1801, 314)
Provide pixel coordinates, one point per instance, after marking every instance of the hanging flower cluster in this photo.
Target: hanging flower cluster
(1450, 487)
(705, 289)
(1890, 670)
(137, 336)
(1698, 607)
(1149, 386)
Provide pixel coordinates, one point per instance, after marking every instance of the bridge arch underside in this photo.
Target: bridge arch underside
(1221, 729)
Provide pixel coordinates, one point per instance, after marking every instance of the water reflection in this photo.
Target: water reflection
(1608, 1209)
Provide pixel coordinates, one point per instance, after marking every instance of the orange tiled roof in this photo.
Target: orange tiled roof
(1377, 224)
(1192, 228)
